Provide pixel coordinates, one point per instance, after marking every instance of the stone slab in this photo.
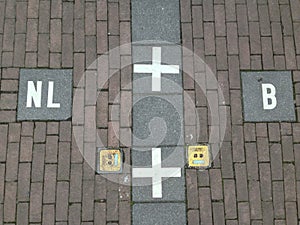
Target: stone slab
(170, 83)
(62, 93)
(157, 120)
(173, 189)
(159, 214)
(253, 97)
(157, 20)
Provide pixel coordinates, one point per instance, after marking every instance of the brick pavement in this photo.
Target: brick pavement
(254, 178)
(44, 179)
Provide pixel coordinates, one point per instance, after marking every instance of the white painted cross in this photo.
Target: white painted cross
(156, 68)
(156, 173)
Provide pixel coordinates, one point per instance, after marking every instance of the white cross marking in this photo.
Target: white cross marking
(156, 173)
(156, 68)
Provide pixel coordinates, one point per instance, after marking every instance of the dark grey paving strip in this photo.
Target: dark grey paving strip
(158, 155)
(157, 20)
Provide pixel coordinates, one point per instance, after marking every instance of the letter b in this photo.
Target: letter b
(269, 96)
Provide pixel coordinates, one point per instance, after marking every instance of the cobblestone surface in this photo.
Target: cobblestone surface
(255, 179)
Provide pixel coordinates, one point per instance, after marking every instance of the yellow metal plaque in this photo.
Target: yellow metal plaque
(110, 161)
(199, 156)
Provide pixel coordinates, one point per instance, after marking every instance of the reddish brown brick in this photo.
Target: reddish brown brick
(124, 213)
(43, 51)
(236, 109)
(126, 73)
(62, 196)
(12, 162)
(76, 183)
(51, 149)
(276, 161)
(242, 20)
(234, 74)
(40, 132)
(9, 207)
(88, 200)
(238, 144)
(90, 18)
(220, 20)
(124, 10)
(44, 16)
(255, 200)
(286, 20)
(64, 161)
(268, 213)
(290, 55)
(216, 184)
(205, 206)
(26, 149)
(48, 214)
(67, 50)
(193, 217)
(21, 17)
(197, 22)
(3, 142)
(79, 9)
(75, 214)
(55, 35)
(24, 181)
(67, 19)
(209, 39)
(289, 182)
(8, 37)
(113, 16)
(125, 38)
(208, 11)
(79, 44)
(192, 190)
(241, 182)
(2, 182)
(278, 199)
(230, 199)
(49, 183)
(38, 157)
(251, 161)
(291, 213)
(102, 10)
(14, 132)
(32, 35)
(65, 131)
(56, 9)
(244, 52)
(22, 213)
(218, 213)
(232, 38)
(221, 53)
(243, 212)
(264, 20)
(265, 182)
(287, 149)
(36, 197)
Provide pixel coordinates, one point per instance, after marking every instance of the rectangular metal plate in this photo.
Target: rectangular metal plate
(199, 156)
(109, 161)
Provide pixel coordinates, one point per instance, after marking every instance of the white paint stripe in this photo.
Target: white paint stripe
(156, 69)
(156, 173)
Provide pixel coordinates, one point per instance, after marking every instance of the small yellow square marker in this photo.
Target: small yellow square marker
(199, 156)
(109, 161)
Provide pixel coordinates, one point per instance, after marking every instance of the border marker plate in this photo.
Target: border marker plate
(109, 161)
(199, 156)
